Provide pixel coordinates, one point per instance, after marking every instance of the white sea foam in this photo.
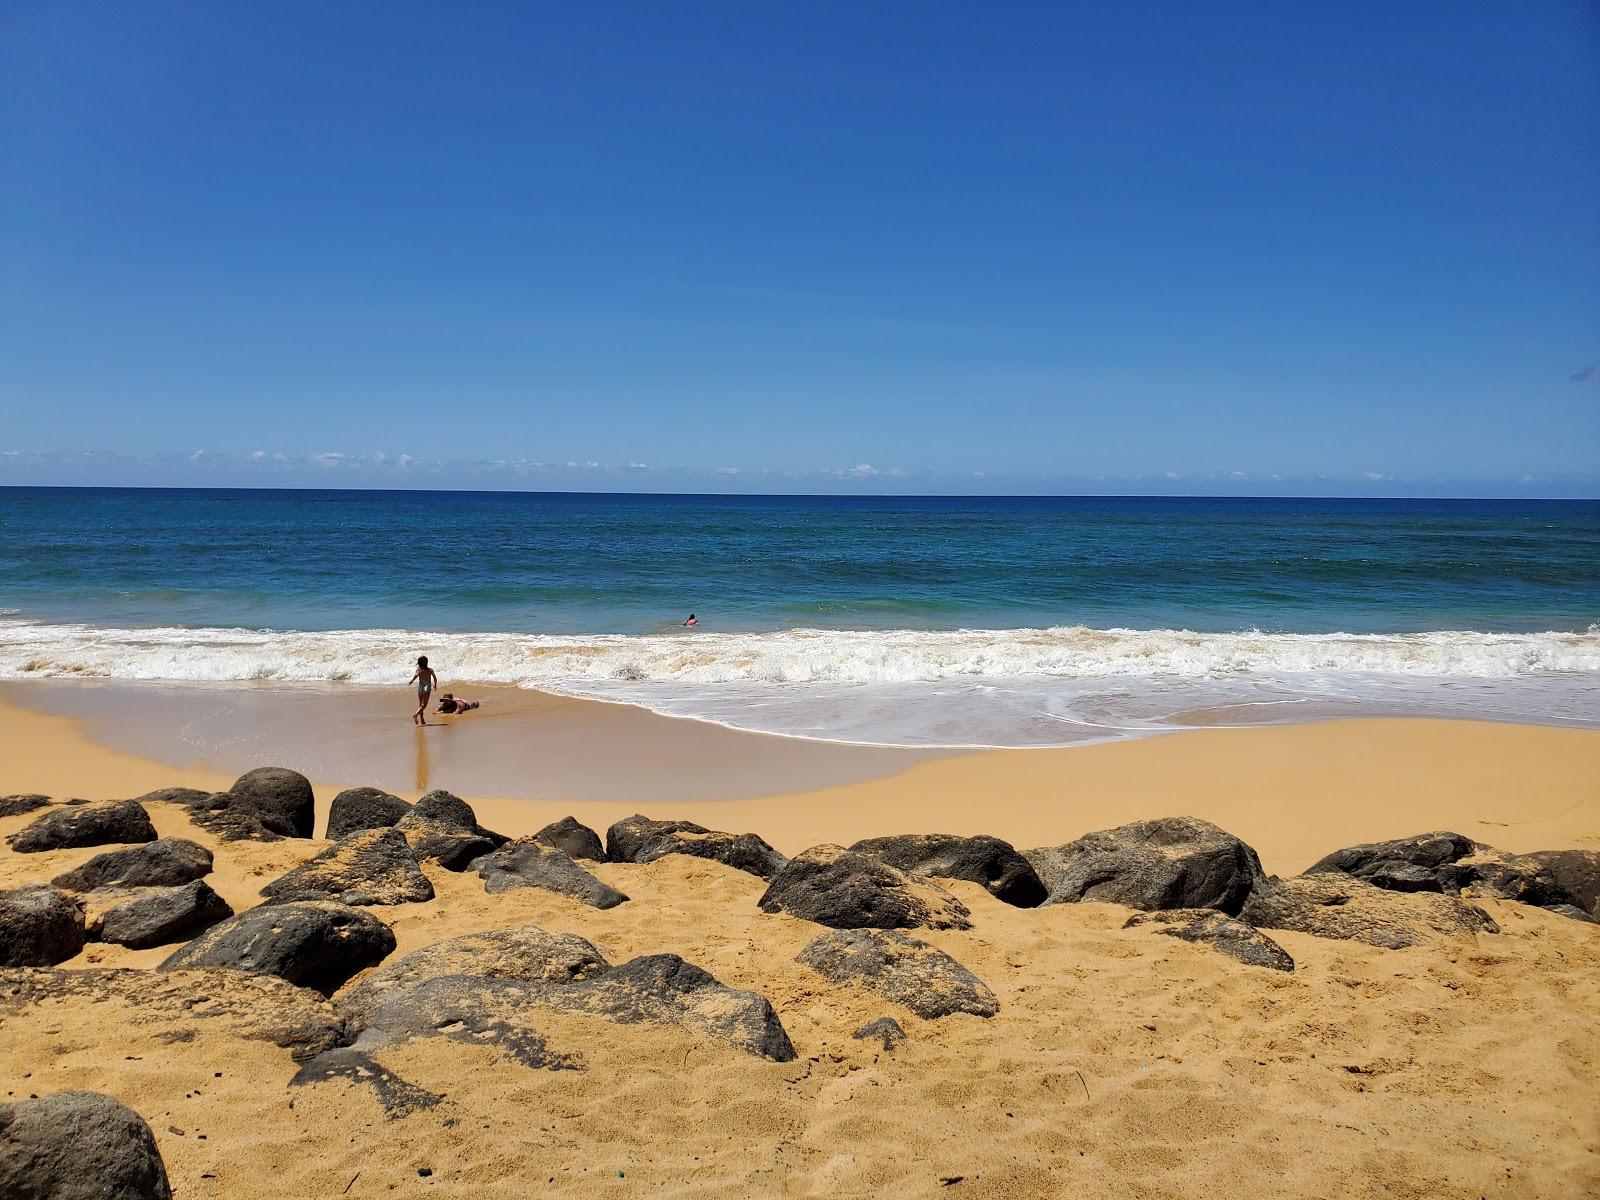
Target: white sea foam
(996, 687)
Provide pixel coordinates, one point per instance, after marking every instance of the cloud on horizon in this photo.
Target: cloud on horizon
(1590, 374)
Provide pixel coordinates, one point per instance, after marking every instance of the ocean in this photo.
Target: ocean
(904, 621)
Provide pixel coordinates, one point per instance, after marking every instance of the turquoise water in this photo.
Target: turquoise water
(997, 620)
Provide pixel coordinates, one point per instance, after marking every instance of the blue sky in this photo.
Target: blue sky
(803, 247)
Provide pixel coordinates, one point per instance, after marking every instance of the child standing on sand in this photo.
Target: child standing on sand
(426, 681)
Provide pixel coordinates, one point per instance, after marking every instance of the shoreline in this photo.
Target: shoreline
(1292, 791)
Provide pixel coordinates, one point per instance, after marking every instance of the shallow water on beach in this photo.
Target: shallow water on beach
(916, 621)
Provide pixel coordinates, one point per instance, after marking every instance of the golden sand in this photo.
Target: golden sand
(1121, 1063)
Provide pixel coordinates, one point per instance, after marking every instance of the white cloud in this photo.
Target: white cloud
(1376, 477)
(1173, 475)
(729, 471)
(1236, 475)
(638, 466)
(257, 455)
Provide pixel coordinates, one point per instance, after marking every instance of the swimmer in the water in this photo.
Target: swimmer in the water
(426, 681)
(692, 621)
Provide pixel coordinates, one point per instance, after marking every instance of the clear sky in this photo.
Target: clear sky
(803, 247)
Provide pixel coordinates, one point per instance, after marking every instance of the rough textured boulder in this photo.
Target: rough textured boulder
(573, 839)
(86, 825)
(638, 839)
(444, 828)
(282, 797)
(910, 972)
(1224, 934)
(1573, 911)
(163, 915)
(78, 1146)
(656, 988)
(168, 1005)
(1576, 872)
(22, 802)
(523, 864)
(1334, 905)
(40, 926)
(316, 944)
(523, 952)
(374, 866)
(355, 809)
(399, 1097)
(1173, 862)
(885, 1031)
(233, 818)
(1452, 863)
(834, 886)
(473, 1009)
(984, 860)
(165, 862)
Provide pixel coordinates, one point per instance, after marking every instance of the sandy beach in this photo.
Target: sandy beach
(1118, 1061)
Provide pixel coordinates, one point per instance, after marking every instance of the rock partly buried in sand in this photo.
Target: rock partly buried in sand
(885, 1031)
(638, 839)
(573, 839)
(170, 1005)
(355, 809)
(86, 825)
(78, 1146)
(523, 952)
(834, 886)
(983, 860)
(346, 1064)
(1577, 872)
(910, 972)
(1452, 863)
(444, 828)
(1172, 862)
(374, 866)
(165, 862)
(473, 1009)
(1335, 905)
(40, 925)
(22, 802)
(282, 797)
(656, 988)
(1573, 911)
(316, 944)
(526, 864)
(1224, 934)
(160, 916)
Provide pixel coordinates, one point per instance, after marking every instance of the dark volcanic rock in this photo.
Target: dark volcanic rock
(656, 988)
(473, 1009)
(1452, 863)
(316, 944)
(398, 1097)
(164, 862)
(1224, 934)
(355, 809)
(885, 1029)
(86, 825)
(170, 1004)
(523, 952)
(1335, 905)
(40, 926)
(663, 987)
(573, 839)
(527, 864)
(910, 972)
(26, 802)
(163, 915)
(184, 797)
(282, 797)
(78, 1146)
(234, 818)
(444, 828)
(638, 839)
(374, 866)
(1576, 872)
(1571, 910)
(984, 860)
(834, 886)
(1173, 862)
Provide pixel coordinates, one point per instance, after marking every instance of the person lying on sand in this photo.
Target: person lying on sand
(449, 704)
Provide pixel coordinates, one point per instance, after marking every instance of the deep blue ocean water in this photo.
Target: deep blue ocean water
(828, 615)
